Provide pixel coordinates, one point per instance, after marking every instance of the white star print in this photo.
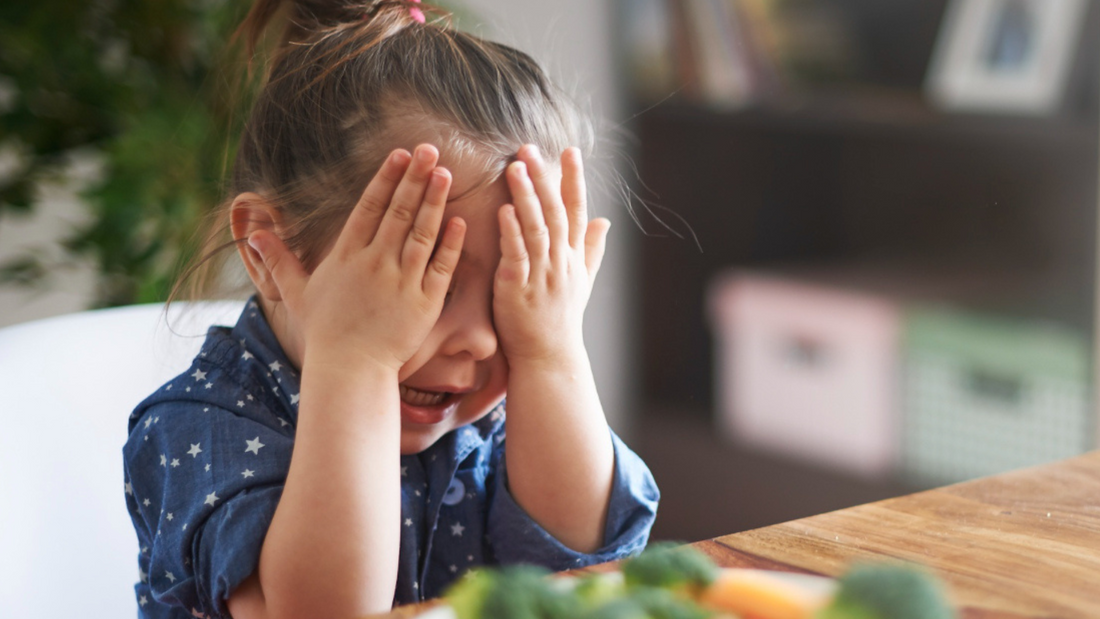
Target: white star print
(248, 473)
(169, 516)
(129, 488)
(148, 421)
(457, 529)
(188, 390)
(294, 398)
(211, 499)
(163, 460)
(254, 446)
(417, 492)
(469, 557)
(453, 568)
(175, 462)
(207, 468)
(146, 502)
(199, 375)
(185, 526)
(142, 601)
(142, 576)
(144, 549)
(246, 356)
(195, 450)
(240, 403)
(168, 388)
(404, 471)
(156, 419)
(275, 390)
(146, 437)
(209, 385)
(206, 410)
(249, 397)
(169, 576)
(284, 423)
(275, 366)
(408, 522)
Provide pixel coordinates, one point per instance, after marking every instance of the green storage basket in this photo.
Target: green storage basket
(984, 395)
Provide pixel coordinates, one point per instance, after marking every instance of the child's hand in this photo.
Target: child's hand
(550, 254)
(377, 293)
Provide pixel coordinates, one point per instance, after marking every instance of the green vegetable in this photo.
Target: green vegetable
(670, 566)
(598, 589)
(647, 603)
(516, 592)
(888, 592)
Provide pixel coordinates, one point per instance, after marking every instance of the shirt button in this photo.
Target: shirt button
(455, 492)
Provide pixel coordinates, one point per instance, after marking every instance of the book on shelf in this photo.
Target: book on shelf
(718, 52)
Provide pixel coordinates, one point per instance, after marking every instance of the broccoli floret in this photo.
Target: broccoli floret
(646, 603)
(595, 590)
(467, 596)
(671, 566)
(517, 592)
(888, 592)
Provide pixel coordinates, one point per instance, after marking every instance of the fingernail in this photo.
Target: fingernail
(520, 168)
(400, 156)
(439, 176)
(423, 154)
(534, 151)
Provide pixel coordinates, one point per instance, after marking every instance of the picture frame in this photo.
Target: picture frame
(1005, 56)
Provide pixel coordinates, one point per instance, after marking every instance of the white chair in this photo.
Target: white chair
(67, 387)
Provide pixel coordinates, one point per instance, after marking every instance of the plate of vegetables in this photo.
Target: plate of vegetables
(678, 582)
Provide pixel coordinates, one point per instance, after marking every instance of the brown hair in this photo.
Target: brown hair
(342, 73)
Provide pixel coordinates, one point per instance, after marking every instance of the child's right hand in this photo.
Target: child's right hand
(377, 293)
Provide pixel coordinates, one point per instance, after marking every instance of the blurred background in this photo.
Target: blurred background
(855, 242)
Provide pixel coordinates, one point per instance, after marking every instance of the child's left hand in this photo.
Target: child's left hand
(550, 254)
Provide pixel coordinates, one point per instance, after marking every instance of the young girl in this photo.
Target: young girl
(342, 448)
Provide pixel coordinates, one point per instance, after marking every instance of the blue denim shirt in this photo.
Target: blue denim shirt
(208, 455)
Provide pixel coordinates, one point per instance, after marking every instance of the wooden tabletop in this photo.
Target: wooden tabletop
(1016, 545)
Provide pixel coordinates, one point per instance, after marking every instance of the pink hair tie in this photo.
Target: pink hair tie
(416, 13)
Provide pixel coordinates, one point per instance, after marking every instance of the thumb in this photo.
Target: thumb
(283, 268)
(595, 242)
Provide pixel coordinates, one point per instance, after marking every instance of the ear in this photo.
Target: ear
(248, 213)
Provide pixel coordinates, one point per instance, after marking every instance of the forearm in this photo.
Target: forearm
(559, 452)
(332, 548)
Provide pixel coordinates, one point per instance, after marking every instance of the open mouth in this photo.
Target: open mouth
(418, 397)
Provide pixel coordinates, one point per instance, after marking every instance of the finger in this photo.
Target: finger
(595, 242)
(528, 210)
(548, 189)
(515, 263)
(421, 240)
(407, 198)
(575, 195)
(286, 272)
(363, 222)
(437, 277)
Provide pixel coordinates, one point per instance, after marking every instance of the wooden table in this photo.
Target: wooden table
(1020, 544)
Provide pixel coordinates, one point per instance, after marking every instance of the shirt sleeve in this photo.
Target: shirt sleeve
(205, 483)
(517, 538)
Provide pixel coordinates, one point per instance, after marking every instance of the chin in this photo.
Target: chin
(414, 442)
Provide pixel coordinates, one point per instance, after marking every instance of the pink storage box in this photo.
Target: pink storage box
(808, 370)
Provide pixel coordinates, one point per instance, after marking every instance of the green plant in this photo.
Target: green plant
(146, 85)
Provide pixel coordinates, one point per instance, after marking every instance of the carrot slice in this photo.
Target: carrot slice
(759, 595)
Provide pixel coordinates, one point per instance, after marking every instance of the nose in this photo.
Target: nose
(470, 331)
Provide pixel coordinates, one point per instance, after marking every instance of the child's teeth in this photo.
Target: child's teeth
(417, 397)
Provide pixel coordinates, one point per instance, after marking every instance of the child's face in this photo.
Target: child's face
(459, 374)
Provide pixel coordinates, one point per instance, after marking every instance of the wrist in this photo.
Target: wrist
(569, 360)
